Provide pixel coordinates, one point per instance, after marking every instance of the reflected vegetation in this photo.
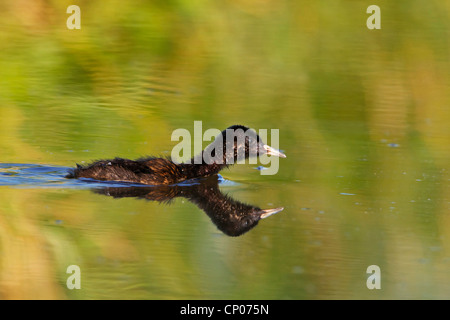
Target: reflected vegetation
(232, 217)
(363, 116)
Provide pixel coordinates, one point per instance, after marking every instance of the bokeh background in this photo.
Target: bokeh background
(363, 118)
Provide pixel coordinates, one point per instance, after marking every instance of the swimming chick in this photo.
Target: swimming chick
(233, 144)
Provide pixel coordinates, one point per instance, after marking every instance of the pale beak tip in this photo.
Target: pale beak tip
(268, 212)
(274, 152)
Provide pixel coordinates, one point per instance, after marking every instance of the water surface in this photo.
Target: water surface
(363, 119)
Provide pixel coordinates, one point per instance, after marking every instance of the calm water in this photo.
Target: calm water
(363, 117)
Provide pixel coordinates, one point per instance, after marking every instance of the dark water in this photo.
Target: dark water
(362, 116)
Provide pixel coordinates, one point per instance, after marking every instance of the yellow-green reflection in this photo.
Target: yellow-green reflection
(363, 117)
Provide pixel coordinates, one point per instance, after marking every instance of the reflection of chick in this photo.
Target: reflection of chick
(230, 216)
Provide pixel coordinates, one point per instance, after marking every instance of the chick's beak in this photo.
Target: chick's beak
(274, 152)
(268, 212)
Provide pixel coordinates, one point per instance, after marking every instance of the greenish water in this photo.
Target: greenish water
(362, 114)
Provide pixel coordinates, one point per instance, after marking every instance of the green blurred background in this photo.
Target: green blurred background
(363, 118)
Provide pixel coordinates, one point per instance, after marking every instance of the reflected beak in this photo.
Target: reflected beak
(268, 212)
(274, 152)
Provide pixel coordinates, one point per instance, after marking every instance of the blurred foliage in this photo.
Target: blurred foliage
(360, 112)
